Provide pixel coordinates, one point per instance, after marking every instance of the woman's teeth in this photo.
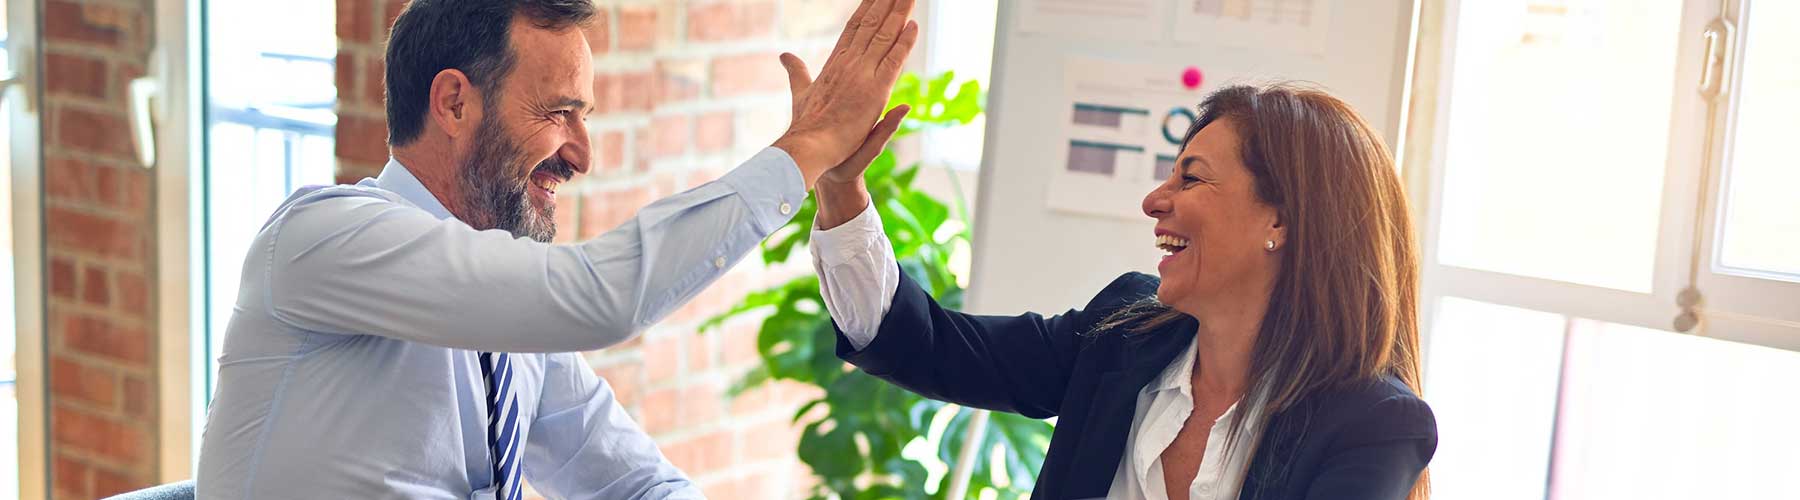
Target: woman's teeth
(1170, 243)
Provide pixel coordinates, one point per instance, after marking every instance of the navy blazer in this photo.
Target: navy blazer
(1356, 441)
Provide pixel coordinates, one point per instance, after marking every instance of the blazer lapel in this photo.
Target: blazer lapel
(1142, 357)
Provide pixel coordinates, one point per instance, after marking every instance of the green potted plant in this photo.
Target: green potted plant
(866, 439)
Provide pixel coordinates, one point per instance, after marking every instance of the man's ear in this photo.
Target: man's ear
(455, 104)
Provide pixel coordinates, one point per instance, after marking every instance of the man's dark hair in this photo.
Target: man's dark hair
(471, 36)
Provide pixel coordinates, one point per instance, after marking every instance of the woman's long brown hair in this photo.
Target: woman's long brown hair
(1344, 308)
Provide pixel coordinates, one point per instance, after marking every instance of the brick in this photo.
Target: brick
(740, 74)
(637, 27)
(99, 337)
(133, 191)
(390, 11)
(713, 133)
(374, 79)
(627, 380)
(568, 205)
(93, 132)
(353, 21)
(77, 381)
(115, 441)
(602, 211)
(137, 397)
(701, 454)
(637, 91)
(599, 33)
(73, 75)
(679, 80)
(66, 21)
(774, 439)
(815, 18)
(738, 342)
(98, 235)
(71, 180)
(133, 293)
(344, 73)
(752, 402)
(730, 21)
(70, 477)
(701, 403)
(699, 352)
(95, 288)
(62, 278)
(662, 358)
(108, 483)
(609, 153)
(661, 410)
(362, 139)
(745, 485)
(668, 136)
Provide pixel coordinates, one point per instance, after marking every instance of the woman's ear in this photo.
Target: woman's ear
(454, 104)
(1277, 234)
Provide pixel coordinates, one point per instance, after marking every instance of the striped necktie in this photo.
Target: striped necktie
(503, 424)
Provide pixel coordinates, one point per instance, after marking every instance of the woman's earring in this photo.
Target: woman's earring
(1269, 245)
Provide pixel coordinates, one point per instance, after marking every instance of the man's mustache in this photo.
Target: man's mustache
(556, 166)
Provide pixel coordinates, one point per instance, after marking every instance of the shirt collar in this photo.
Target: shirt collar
(1179, 375)
(397, 179)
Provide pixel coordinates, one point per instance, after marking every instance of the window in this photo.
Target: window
(269, 130)
(1603, 172)
(9, 399)
(961, 40)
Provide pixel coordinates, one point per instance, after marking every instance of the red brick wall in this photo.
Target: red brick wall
(685, 90)
(99, 230)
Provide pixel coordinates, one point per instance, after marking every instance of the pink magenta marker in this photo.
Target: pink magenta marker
(1192, 78)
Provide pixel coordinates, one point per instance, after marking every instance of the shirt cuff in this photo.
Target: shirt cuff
(770, 183)
(849, 240)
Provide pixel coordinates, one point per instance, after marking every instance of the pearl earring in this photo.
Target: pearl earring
(1269, 245)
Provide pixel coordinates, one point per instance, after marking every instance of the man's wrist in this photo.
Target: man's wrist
(806, 156)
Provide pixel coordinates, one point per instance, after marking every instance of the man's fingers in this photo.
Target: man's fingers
(870, 23)
(877, 139)
(798, 78)
(889, 70)
(897, 19)
(850, 26)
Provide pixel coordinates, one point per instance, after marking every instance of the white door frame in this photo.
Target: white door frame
(176, 66)
(25, 50)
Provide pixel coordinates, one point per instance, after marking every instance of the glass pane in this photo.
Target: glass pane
(270, 130)
(1490, 377)
(1706, 418)
(1762, 215)
(1559, 124)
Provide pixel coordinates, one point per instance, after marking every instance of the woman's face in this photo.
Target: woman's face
(1211, 222)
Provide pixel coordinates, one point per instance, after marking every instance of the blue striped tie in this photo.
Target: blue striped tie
(503, 424)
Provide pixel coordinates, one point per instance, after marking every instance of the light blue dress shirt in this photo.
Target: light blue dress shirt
(349, 367)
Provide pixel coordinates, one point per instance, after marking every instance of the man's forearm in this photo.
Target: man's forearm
(840, 202)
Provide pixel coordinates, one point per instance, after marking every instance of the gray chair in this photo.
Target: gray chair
(183, 490)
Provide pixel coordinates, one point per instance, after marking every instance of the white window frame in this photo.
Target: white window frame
(176, 67)
(1735, 307)
(29, 291)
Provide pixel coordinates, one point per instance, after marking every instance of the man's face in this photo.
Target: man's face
(531, 137)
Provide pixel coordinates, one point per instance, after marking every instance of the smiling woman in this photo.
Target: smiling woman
(1276, 358)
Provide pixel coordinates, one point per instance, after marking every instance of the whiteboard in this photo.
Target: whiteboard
(1030, 257)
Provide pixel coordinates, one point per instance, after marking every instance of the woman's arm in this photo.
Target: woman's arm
(1379, 455)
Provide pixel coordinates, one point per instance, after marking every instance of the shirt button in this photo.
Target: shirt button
(719, 262)
(786, 209)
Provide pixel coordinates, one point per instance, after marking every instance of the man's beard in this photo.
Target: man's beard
(493, 198)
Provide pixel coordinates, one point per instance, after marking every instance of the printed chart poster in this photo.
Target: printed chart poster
(1124, 128)
(1298, 26)
(1120, 20)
